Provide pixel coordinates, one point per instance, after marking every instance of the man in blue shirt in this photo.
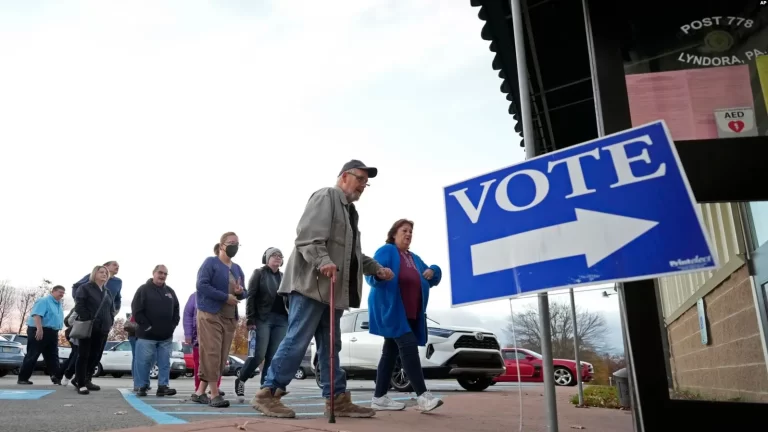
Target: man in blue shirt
(45, 321)
(114, 284)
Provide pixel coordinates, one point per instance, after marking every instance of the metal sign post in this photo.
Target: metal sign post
(576, 348)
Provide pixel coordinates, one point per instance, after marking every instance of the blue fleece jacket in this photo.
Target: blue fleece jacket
(386, 313)
(114, 285)
(213, 284)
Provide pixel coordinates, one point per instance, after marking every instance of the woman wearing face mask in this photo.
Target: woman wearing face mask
(92, 302)
(220, 286)
(267, 313)
(397, 311)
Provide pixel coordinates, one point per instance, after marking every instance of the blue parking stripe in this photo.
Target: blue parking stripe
(318, 414)
(146, 409)
(358, 402)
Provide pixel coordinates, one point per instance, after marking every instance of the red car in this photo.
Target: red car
(531, 368)
(188, 358)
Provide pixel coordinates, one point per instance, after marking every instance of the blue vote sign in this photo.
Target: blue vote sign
(618, 208)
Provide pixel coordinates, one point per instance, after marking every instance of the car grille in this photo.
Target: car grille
(488, 342)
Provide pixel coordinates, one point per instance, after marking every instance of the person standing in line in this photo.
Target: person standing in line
(397, 311)
(327, 248)
(67, 369)
(156, 310)
(190, 330)
(93, 302)
(130, 330)
(267, 314)
(220, 287)
(114, 284)
(43, 325)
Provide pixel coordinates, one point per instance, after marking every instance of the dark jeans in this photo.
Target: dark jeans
(407, 348)
(269, 333)
(48, 346)
(88, 357)
(67, 369)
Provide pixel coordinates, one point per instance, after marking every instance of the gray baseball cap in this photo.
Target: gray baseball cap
(356, 164)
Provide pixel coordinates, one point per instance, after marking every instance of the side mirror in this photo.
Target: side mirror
(529, 357)
(364, 325)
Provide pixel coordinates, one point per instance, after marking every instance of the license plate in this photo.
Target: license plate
(8, 350)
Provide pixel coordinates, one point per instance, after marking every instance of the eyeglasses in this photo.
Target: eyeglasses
(361, 178)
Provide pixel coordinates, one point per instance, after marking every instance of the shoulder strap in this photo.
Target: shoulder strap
(101, 305)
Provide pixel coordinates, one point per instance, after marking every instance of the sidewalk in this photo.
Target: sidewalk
(478, 412)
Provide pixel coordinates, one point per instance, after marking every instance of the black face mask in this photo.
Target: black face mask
(231, 250)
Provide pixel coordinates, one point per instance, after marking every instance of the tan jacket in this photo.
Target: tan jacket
(324, 236)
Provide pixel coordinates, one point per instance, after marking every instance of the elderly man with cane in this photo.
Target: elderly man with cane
(327, 254)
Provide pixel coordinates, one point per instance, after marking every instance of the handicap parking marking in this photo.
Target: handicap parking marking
(24, 394)
(147, 410)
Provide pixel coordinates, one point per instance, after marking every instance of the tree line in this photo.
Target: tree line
(592, 334)
(16, 304)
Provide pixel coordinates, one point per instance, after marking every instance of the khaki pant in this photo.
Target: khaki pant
(214, 335)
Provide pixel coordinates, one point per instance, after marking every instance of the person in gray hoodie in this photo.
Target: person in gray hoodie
(266, 313)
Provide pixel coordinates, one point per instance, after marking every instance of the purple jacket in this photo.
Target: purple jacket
(190, 319)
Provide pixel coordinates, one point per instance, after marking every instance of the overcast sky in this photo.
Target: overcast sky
(141, 131)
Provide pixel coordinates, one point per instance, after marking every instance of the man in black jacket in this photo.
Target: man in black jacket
(156, 311)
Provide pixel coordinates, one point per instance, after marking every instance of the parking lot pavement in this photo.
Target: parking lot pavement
(55, 408)
(304, 397)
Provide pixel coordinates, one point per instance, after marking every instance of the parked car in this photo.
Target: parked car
(306, 364)
(40, 365)
(189, 359)
(116, 361)
(11, 356)
(469, 355)
(531, 368)
(234, 364)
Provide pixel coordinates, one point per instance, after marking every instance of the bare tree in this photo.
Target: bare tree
(118, 333)
(7, 298)
(592, 329)
(26, 298)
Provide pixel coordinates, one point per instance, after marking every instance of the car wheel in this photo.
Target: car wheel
(98, 371)
(117, 375)
(474, 384)
(173, 376)
(237, 372)
(3, 373)
(400, 380)
(154, 372)
(300, 374)
(563, 377)
(16, 371)
(493, 383)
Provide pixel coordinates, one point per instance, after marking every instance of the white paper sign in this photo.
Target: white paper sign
(735, 122)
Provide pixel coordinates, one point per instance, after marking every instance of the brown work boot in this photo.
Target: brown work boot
(345, 408)
(269, 405)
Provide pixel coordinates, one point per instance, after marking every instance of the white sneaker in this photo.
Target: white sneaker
(384, 403)
(64, 382)
(427, 402)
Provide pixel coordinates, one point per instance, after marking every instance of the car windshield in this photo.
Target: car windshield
(177, 346)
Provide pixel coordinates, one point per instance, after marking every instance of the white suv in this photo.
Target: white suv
(472, 356)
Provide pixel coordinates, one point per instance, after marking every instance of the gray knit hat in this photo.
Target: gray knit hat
(268, 254)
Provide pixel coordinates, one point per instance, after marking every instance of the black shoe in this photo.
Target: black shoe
(83, 390)
(165, 391)
(56, 381)
(91, 386)
(239, 388)
(201, 399)
(141, 392)
(25, 382)
(218, 402)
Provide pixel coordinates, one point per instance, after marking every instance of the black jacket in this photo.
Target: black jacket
(261, 296)
(87, 301)
(156, 311)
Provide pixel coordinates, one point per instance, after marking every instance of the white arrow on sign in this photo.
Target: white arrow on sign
(595, 235)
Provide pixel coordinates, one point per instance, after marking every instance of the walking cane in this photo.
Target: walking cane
(332, 350)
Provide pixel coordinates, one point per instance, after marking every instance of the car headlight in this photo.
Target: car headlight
(440, 332)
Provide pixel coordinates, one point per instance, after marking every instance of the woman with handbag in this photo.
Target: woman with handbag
(95, 315)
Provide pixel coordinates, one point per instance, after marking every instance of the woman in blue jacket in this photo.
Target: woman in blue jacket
(397, 311)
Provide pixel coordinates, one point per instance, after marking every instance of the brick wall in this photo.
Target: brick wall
(732, 365)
